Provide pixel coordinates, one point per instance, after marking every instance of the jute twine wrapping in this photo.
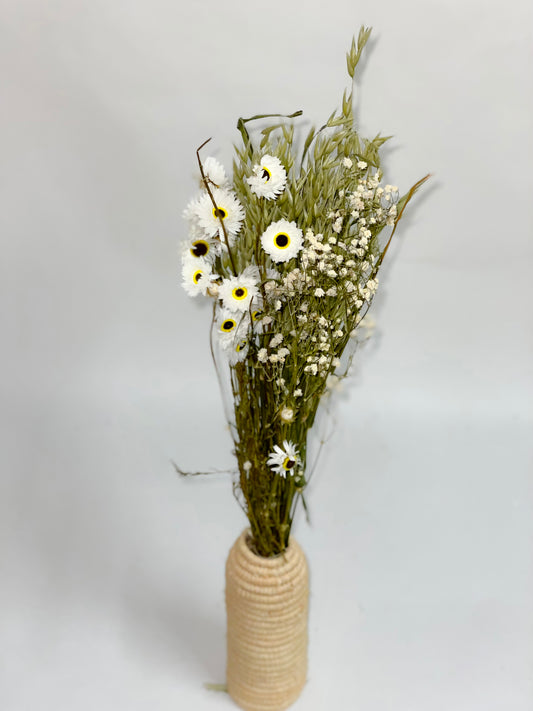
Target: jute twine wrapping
(267, 610)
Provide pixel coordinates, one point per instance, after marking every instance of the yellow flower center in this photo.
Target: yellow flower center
(199, 248)
(282, 240)
(239, 293)
(241, 346)
(265, 174)
(197, 276)
(219, 212)
(228, 325)
(256, 315)
(288, 463)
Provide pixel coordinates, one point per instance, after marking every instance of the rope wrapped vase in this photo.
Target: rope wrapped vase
(267, 631)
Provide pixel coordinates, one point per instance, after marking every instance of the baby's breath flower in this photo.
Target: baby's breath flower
(287, 414)
(337, 225)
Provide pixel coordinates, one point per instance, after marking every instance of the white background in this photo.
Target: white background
(112, 567)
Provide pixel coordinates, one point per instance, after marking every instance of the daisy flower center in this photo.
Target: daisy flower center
(288, 464)
(256, 315)
(265, 174)
(239, 293)
(220, 212)
(197, 276)
(199, 248)
(228, 325)
(282, 240)
(241, 346)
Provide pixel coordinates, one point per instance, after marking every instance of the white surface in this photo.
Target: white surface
(420, 549)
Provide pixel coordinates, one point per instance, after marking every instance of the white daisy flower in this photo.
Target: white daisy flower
(229, 322)
(228, 209)
(214, 172)
(201, 248)
(197, 275)
(190, 213)
(283, 460)
(237, 292)
(269, 178)
(232, 331)
(257, 312)
(238, 351)
(282, 240)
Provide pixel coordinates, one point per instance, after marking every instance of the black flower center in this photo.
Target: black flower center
(220, 212)
(281, 240)
(197, 276)
(239, 293)
(200, 248)
(265, 174)
(228, 325)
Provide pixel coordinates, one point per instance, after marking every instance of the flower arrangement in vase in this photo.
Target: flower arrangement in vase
(288, 252)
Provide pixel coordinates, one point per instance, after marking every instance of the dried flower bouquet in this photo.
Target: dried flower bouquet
(289, 251)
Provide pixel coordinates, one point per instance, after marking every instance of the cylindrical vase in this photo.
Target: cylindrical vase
(267, 630)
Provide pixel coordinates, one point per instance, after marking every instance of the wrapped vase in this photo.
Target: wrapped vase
(267, 626)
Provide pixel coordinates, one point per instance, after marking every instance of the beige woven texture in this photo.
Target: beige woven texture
(267, 610)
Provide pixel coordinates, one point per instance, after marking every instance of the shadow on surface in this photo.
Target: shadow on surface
(179, 631)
